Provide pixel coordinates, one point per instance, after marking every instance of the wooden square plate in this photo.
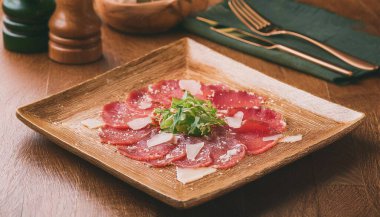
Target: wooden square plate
(58, 117)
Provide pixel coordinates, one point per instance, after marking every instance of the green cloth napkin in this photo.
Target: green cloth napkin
(327, 27)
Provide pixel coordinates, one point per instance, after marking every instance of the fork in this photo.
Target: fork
(259, 41)
(261, 26)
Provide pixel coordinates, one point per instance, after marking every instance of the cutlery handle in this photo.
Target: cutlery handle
(358, 63)
(314, 60)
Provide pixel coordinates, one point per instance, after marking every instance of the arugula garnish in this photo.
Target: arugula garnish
(188, 115)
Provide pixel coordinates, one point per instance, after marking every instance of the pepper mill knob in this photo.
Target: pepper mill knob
(74, 33)
(25, 27)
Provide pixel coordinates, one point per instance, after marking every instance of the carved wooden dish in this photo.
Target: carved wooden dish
(59, 116)
(149, 17)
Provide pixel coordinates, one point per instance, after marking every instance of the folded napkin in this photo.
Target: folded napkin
(326, 27)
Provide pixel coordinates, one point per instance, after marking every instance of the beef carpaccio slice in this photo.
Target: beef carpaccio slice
(118, 114)
(226, 151)
(163, 92)
(203, 159)
(228, 156)
(140, 150)
(141, 100)
(209, 90)
(178, 153)
(259, 120)
(223, 149)
(116, 136)
(223, 98)
(255, 143)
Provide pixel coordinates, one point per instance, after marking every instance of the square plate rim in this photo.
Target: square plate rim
(177, 202)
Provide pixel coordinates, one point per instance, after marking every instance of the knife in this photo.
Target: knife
(251, 39)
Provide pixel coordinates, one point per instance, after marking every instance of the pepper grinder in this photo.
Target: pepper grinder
(25, 27)
(74, 36)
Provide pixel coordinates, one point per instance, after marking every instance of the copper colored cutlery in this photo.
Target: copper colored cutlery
(261, 26)
(258, 41)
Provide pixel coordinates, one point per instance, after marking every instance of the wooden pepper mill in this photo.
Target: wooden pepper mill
(25, 27)
(74, 33)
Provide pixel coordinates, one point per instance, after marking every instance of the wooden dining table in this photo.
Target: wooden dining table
(38, 178)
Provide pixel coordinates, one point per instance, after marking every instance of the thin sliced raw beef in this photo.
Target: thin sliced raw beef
(258, 123)
(141, 151)
(229, 156)
(209, 90)
(254, 143)
(254, 126)
(178, 153)
(224, 99)
(118, 114)
(203, 159)
(226, 151)
(163, 92)
(140, 100)
(116, 136)
(223, 149)
(262, 121)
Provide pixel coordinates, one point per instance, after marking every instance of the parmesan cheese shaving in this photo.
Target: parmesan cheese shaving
(291, 139)
(283, 123)
(139, 123)
(227, 156)
(160, 138)
(236, 120)
(272, 138)
(92, 123)
(145, 104)
(194, 87)
(192, 150)
(186, 175)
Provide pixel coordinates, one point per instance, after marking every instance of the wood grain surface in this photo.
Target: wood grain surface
(37, 178)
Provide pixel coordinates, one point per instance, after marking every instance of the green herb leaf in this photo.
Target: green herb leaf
(188, 115)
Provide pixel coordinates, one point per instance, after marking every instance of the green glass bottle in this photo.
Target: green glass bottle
(25, 27)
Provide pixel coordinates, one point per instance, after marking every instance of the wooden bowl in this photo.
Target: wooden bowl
(149, 17)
